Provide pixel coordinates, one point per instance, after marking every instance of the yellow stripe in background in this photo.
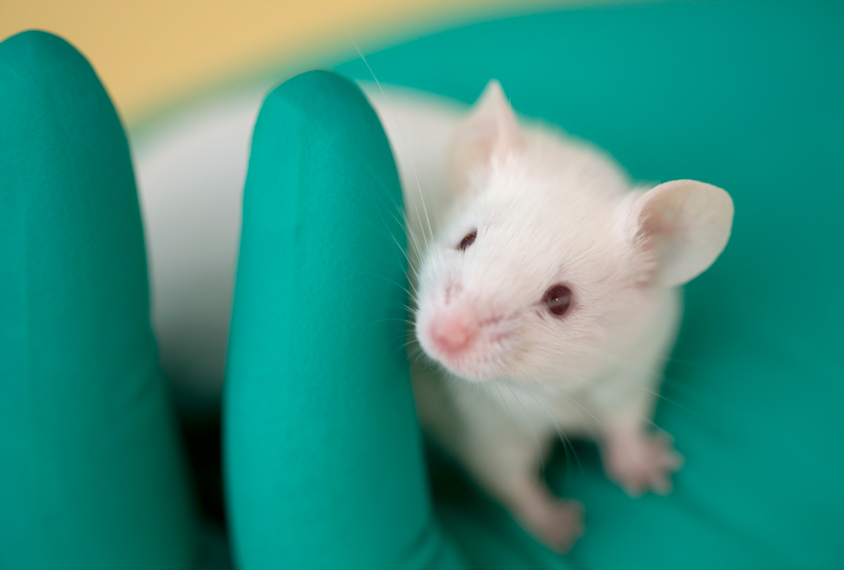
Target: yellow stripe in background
(150, 54)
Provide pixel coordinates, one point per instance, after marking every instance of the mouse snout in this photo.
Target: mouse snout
(453, 331)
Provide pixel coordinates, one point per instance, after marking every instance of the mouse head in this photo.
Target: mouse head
(551, 265)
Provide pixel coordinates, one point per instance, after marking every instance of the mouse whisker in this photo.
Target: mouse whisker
(587, 412)
(505, 406)
(404, 142)
(539, 450)
(385, 196)
(617, 399)
(565, 440)
(387, 279)
(386, 319)
(640, 370)
(411, 237)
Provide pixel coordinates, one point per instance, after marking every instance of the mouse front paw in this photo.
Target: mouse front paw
(640, 462)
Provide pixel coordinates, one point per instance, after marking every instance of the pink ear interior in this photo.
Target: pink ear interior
(686, 224)
(490, 132)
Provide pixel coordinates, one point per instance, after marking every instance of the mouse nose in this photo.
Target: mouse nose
(452, 333)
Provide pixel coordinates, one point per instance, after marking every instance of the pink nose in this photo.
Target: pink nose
(452, 333)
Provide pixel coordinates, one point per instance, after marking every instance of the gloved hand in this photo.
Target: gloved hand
(91, 474)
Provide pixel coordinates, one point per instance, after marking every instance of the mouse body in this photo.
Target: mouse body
(546, 296)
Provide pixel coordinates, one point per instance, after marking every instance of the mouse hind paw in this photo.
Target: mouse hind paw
(558, 524)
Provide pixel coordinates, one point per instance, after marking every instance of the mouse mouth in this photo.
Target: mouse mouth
(473, 370)
(466, 346)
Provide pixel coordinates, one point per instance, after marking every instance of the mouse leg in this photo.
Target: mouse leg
(635, 456)
(500, 452)
(557, 523)
(508, 472)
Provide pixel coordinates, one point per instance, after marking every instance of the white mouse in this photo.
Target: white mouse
(545, 283)
(546, 296)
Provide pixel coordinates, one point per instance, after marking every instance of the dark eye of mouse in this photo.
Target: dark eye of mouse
(468, 240)
(558, 299)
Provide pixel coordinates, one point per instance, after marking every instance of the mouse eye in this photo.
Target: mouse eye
(468, 240)
(558, 299)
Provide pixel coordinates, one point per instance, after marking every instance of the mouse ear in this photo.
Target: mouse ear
(490, 131)
(686, 224)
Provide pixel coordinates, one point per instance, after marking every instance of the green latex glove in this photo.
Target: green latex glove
(323, 453)
(91, 475)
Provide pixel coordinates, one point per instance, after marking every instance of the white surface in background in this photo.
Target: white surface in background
(190, 172)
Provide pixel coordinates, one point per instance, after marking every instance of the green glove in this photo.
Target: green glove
(323, 452)
(90, 471)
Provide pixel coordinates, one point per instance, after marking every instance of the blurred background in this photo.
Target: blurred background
(155, 55)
